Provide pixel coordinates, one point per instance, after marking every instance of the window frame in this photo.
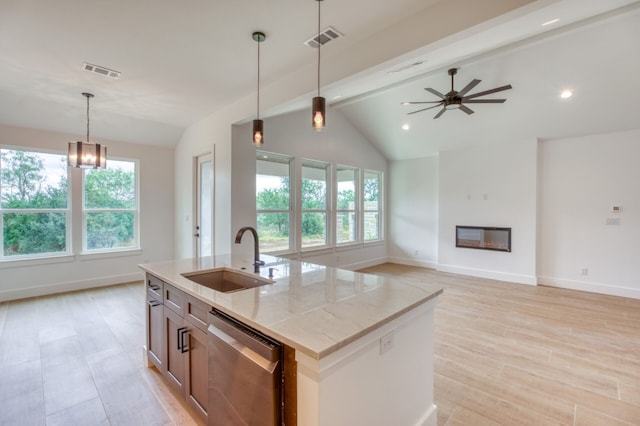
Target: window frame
(290, 161)
(135, 210)
(67, 211)
(356, 208)
(328, 205)
(378, 210)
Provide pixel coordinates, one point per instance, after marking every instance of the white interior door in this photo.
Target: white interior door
(203, 235)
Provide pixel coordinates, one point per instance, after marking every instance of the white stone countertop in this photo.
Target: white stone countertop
(312, 308)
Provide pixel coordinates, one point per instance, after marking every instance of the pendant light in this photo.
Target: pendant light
(85, 154)
(258, 125)
(318, 116)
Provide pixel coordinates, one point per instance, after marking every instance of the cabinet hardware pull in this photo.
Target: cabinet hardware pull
(184, 347)
(179, 337)
(153, 303)
(154, 287)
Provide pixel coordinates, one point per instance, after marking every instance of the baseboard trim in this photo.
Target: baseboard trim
(364, 264)
(590, 287)
(43, 290)
(493, 275)
(429, 264)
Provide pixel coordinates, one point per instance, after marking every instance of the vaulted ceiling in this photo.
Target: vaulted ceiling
(183, 61)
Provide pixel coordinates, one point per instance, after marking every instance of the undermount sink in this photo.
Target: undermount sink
(226, 281)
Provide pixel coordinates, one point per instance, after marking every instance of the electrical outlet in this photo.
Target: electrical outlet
(416, 253)
(584, 271)
(386, 342)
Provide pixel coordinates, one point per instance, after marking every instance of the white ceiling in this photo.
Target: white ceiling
(183, 61)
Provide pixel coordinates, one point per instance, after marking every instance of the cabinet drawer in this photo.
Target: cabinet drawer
(154, 287)
(196, 313)
(174, 299)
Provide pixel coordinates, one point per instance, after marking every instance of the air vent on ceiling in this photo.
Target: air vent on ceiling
(101, 70)
(326, 35)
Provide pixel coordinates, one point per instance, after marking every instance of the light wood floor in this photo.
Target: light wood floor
(76, 359)
(504, 354)
(514, 354)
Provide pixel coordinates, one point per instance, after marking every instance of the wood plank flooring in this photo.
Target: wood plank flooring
(77, 359)
(505, 354)
(509, 354)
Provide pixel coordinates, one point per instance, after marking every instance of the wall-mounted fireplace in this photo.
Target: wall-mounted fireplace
(483, 237)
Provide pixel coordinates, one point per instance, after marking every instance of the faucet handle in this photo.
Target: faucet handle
(259, 262)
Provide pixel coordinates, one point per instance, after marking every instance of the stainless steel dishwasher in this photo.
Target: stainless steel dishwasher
(245, 374)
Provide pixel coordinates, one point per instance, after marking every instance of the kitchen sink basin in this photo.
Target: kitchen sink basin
(226, 281)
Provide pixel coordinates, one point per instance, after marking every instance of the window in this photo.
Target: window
(273, 202)
(313, 193)
(110, 207)
(34, 203)
(346, 211)
(372, 188)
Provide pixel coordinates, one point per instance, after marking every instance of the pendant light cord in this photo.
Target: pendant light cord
(88, 118)
(319, 45)
(258, 106)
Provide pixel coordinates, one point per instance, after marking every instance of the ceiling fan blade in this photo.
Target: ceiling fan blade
(424, 109)
(440, 113)
(483, 101)
(435, 92)
(468, 87)
(487, 92)
(466, 109)
(416, 103)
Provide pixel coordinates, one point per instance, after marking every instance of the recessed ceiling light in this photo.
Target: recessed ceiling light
(566, 94)
(337, 97)
(406, 126)
(553, 21)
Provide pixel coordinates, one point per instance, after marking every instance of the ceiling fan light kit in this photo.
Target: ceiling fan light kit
(457, 100)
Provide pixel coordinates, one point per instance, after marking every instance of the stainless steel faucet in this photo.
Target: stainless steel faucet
(256, 246)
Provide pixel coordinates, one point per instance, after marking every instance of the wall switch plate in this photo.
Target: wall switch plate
(386, 342)
(612, 221)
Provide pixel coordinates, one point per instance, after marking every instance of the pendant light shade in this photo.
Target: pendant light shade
(258, 135)
(85, 154)
(318, 115)
(258, 125)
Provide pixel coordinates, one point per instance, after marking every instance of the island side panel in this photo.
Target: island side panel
(364, 383)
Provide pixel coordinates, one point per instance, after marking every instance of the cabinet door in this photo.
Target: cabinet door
(175, 363)
(197, 386)
(155, 332)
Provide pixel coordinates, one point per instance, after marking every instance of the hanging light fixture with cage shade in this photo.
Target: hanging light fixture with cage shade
(85, 154)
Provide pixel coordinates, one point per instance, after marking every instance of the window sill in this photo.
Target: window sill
(110, 254)
(373, 243)
(35, 261)
(315, 251)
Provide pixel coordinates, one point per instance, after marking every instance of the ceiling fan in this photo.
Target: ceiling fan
(457, 100)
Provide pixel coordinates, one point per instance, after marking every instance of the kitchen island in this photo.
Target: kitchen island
(363, 343)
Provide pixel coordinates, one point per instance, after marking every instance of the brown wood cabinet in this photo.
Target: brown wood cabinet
(177, 342)
(155, 318)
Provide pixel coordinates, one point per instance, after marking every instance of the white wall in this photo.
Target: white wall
(30, 278)
(581, 179)
(413, 213)
(492, 185)
(291, 134)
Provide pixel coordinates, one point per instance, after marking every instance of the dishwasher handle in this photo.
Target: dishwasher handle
(257, 342)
